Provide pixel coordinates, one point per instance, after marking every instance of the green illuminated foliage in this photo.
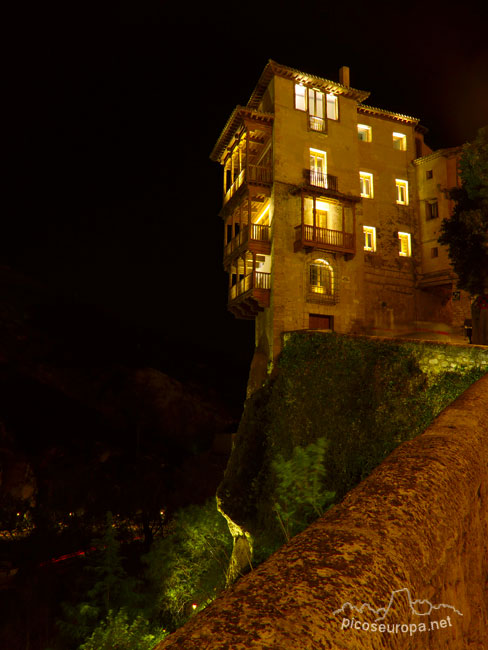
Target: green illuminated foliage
(188, 564)
(300, 495)
(116, 632)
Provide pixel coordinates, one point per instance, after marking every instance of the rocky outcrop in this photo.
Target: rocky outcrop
(401, 562)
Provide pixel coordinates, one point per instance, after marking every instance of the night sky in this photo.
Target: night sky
(114, 110)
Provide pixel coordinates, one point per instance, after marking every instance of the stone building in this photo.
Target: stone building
(332, 210)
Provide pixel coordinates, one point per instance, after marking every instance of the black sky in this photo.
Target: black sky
(114, 109)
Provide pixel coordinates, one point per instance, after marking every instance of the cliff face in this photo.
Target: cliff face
(415, 530)
(364, 396)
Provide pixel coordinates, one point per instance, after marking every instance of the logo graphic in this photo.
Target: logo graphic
(374, 619)
(382, 612)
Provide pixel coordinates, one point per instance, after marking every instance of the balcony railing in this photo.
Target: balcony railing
(256, 280)
(317, 124)
(259, 233)
(319, 179)
(310, 236)
(258, 174)
(262, 280)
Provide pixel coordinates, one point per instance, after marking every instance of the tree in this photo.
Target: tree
(300, 495)
(466, 232)
(188, 565)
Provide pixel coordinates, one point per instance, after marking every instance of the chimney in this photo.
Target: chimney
(344, 76)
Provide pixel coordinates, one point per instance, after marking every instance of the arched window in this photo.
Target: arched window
(321, 277)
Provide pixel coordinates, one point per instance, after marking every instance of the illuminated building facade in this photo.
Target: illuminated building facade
(331, 212)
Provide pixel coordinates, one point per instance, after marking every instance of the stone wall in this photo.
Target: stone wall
(434, 357)
(415, 530)
(442, 357)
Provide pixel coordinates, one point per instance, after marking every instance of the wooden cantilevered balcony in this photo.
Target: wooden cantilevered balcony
(250, 295)
(312, 237)
(326, 224)
(244, 148)
(255, 238)
(251, 174)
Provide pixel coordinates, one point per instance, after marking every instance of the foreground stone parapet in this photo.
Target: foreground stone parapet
(415, 530)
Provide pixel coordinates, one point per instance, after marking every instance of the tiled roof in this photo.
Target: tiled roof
(372, 110)
(450, 151)
(274, 68)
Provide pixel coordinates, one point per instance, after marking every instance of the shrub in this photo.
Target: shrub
(116, 632)
(188, 564)
(300, 495)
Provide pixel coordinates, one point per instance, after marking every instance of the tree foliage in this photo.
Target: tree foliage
(188, 564)
(116, 631)
(300, 495)
(466, 231)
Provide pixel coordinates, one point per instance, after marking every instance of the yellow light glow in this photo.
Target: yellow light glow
(364, 132)
(402, 191)
(369, 238)
(263, 213)
(405, 244)
(332, 106)
(322, 205)
(399, 141)
(300, 97)
(194, 606)
(366, 184)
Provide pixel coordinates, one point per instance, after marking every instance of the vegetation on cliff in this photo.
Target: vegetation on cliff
(362, 396)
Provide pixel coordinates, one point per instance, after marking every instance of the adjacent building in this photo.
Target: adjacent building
(331, 212)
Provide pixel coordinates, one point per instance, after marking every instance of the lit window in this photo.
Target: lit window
(300, 97)
(405, 245)
(332, 107)
(318, 168)
(316, 105)
(321, 277)
(364, 133)
(315, 102)
(431, 210)
(402, 191)
(321, 213)
(366, 184)
(369, 238)
(400, 141)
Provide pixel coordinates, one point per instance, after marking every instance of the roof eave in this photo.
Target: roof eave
(231, 126)
(273, 68)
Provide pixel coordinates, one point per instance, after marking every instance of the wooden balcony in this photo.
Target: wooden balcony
(313, 237)
(256, 239)
(251, 174)
(250, 295)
